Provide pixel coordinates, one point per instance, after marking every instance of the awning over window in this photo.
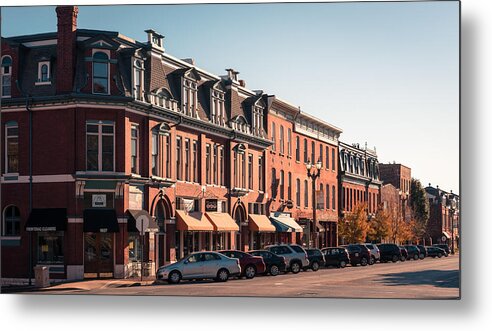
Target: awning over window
(139, 218)
(447, 235)
(192, 222)
(321, 228)
(222, 221)
(100, 220)
(47, 219)
(285, 223)
(260, 223)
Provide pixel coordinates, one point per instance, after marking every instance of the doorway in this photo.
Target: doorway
(98, 255)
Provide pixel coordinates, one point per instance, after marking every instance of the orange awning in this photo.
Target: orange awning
(260, 223)
(192, 221)
(222, 221)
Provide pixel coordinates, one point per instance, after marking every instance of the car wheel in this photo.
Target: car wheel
(174, 277)
(402, 258)
(372, 260)
(274, 270)
(363, 262)
(315, 266)
(295, 267)
(222, 275)
(342, 264)
(439, 255)
(421, 256)
(250, 271)
(416, 257)
(395, 258)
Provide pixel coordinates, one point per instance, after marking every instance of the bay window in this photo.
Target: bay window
(99, 146)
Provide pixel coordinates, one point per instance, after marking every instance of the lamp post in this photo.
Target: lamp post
(313, 175)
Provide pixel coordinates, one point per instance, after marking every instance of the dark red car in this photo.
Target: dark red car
(250, 265)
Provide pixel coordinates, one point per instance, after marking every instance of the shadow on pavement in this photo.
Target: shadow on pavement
(437, 278)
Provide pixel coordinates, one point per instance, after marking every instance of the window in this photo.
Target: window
(333, 168)
(134, 149)
(11, 222)
(298, 149)
(100, 73)
(298, 192)
(168, 157)
(320, 203)
(250, 171)
(134, 248)
(306, 194)
(43, 72)
(274, 183)
(189, 97)
(289, 186)
(178, 158)
(217, 115)
(222, 167)
(207, 163)
(6, 76)
(327, 196)
(327, 162)
(138, 80)
(187, 160)
(215, 165)
(273, 136)
(50, 247)
(12, 147)
(289, 142)
(243, 170)
(261, 187)
(281, 186)
(333, 197)
(321, 154)
(281, 139)
(100, 146)
(305, 151)
(313, 152)
(236, 170)
(155, 154)
(195, 161)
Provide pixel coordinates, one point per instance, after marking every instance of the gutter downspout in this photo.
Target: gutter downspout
(29, 110)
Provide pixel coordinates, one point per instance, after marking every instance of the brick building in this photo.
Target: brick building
(298, 139)
(400, 177)
(359, 179)
(443, 225)
(118, 153)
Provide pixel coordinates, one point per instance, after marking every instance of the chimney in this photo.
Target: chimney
(67, 37)
(242, 83)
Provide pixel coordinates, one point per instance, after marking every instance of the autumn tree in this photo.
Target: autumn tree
(354, 226)
(379, 226)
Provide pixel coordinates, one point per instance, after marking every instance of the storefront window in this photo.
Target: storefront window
(134, 248)
(50, 247)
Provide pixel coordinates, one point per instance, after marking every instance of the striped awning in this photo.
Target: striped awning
(285, 223)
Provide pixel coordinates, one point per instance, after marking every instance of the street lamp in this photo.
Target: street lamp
(313, 175)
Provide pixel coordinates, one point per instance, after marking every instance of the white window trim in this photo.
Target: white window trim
(39, 81)
(134, 74)
(137, 150)
(99, 145)
(5, 147)
(108, 53)
(3, 74)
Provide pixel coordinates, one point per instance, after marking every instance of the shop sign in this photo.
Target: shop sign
(99, 200)
(211, 205)
(40, 228)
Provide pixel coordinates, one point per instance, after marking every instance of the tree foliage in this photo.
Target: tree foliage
(419, 205)
(354, 226)
(380, 226)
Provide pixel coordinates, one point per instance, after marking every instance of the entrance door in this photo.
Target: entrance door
(98, 255)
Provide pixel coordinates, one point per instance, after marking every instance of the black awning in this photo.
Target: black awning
(143, 217)
(100, 220)
(47, 219)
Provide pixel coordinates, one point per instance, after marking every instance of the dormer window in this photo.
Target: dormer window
(190, 98)
(258, 120)
(217, 109)
(100, 73)
(44, 76)
(138, 71)
(6, 76)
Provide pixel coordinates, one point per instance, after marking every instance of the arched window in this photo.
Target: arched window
(6, 76)
(274, 183)
(100, 73)
(298, 192)
(44, 73)
(138, 79)
(281, 185)
(281, 139)
(306, 194)
(11, 221)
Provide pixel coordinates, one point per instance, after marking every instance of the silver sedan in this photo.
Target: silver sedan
(200, 265)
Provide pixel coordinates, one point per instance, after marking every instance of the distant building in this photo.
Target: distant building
(444, 218)
(400, 176)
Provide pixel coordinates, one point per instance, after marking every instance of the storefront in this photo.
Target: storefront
(288, 230)
(263, 232)
(224, 226)
(48, 226)
(194, 233)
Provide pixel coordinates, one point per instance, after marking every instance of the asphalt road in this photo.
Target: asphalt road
(431, 278)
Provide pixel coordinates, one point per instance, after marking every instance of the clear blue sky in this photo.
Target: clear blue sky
(386, 73)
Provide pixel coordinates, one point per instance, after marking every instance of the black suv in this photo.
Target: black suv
(423, 251)
(434, 251)
(404, 253)
(336, 256)
(444, 247)
(413, 252)
(389, 252)
(316, 259)
(274, 263)
(359, 254)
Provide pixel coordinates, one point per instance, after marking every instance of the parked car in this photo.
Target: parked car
(389, 252)
(404, 253)
(359, 254)
(375, 255)
(274, 263)
(413, 252)
(444, 247)
(336, 256)
(316, 259)
(296, 257)
(250, 265)
(423, 251)
(434, 251)
(200, 265)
